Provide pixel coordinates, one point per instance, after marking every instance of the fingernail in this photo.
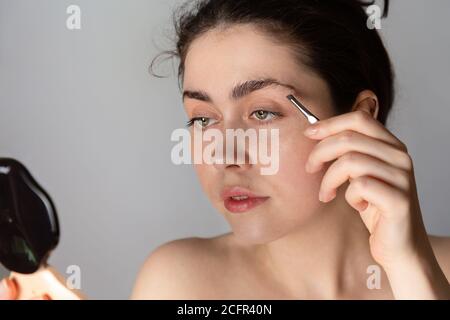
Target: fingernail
(331, 196)
(311, 131)
(321, 196)
(4, 289)
(326, 197)
(313, 168)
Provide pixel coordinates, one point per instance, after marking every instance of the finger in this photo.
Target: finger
(353, 165)
(358, 121)
(335, 146)
(8, 290)
(391, 202)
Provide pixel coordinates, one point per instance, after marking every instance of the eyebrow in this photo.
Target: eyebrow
(240, 90)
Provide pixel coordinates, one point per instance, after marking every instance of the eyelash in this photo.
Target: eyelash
(273, 113)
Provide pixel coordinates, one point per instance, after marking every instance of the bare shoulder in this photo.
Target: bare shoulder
(180, 269)
(441, 248)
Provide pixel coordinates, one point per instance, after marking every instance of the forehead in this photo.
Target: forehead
(221, 58)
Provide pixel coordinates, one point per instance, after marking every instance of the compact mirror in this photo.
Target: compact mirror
(29, 228)
(29, 231)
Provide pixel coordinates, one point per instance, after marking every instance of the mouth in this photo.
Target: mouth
(238, 199)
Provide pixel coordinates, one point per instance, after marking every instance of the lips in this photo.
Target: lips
(238, 199)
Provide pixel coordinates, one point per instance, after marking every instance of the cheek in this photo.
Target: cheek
(298, 189)
(209, 180)
(203, 174)
(202, 170)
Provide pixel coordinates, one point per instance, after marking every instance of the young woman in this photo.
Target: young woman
(342, 210)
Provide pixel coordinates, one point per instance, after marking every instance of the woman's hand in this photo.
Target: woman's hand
(382, 189)
(9, 290)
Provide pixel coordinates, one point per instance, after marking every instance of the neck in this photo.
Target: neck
(328, 256)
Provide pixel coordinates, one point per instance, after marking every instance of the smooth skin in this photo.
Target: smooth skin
(294, 246)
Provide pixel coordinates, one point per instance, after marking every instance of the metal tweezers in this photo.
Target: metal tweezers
(308, 115)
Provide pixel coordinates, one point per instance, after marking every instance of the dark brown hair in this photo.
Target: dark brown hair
(329, 36)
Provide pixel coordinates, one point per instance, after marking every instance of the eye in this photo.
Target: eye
(265, 115)
(203, 122)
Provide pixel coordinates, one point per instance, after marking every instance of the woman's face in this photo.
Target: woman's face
(215, 63)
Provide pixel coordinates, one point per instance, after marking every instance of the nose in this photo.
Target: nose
(235, 153)
(236, 159)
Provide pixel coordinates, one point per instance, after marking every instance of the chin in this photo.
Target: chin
(257, 233)
(259, 229)
(262, 226)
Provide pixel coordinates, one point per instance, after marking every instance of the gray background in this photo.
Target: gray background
(81, 111)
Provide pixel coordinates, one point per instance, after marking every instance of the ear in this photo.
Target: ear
(367, 101)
